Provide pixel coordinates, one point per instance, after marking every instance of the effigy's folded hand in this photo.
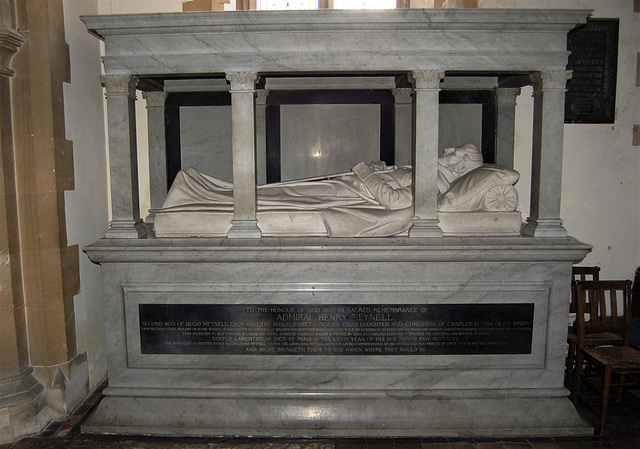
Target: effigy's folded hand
(388, 197)
(378, 165)
(358, 167)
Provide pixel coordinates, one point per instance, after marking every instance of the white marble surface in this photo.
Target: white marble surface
(505, 125)
(460, 123)
(157, 150)
(422, 395)
(125, 201)
(423, 43)
(426, 86)
(243, 143)
(345, 395)
(332, 40)
(548, 137)
(317, 140)
(205, 140)
(385, 415)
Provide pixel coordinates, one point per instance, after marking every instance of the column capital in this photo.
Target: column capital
(506, 96)
(426, 79)
(155, 99)
(261, 96)
(242, 81)
(401, 96)
(10, 42)
(550, 80)
(120, 84)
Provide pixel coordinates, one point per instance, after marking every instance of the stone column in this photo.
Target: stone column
(426, 84)
(505, 126)
(16, 377)
(123, 157)
(404, 110)
(243, 138)
(261, 135)
(157, 150)
(546, 163)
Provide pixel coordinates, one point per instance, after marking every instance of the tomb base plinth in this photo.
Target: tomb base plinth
(340, 414)
(329, 337)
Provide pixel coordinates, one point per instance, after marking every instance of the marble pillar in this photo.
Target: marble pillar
(261, 135)
(403, 110)
(426, 85)
(546, 163)
(123, 158)
(243, 89)
(505, 125)
(157, 150)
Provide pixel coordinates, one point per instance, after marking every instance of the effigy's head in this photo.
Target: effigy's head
(462, 159)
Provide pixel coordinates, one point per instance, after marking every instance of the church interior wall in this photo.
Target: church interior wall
(600, 192)
(85, 205)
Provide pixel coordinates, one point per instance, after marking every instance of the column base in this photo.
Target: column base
(128, 229)
(23, 407)
(149, 223)
(425, 228)
(544, 227)
(152, 216)
(244, 229)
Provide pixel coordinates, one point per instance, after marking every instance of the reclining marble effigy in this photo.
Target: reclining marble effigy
(371, 200)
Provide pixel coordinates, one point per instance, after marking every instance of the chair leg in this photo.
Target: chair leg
(571, 359)
(606, 386)
(577, 374)
(623, 379)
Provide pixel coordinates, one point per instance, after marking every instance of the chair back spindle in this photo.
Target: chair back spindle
(603, 307)
(581, 274)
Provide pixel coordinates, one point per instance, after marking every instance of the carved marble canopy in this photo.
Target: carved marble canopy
(518, 46)
(336, 41)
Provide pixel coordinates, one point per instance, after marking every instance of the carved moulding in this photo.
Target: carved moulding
(119, 84)
(426, 79)
(10, 42)
(242, 81)
(550, 80)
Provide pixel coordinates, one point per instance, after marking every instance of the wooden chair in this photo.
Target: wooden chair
(586, 273)
(583, 273)
(635, 296)
(603, 309)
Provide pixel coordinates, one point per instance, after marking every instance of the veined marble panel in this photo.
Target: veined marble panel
(320, 139)
(460, 123)
(205, 140)
(351, 395)
(337, 41)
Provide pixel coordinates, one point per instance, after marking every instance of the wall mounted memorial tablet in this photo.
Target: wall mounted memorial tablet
(591, 92)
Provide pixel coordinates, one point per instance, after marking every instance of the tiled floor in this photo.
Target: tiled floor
(623, 432)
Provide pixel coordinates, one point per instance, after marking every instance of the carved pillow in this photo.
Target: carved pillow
(467, 192)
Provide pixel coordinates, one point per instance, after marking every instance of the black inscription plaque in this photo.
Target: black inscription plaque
(336, 329)
(591, 92)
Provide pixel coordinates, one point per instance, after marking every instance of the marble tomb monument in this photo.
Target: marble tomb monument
(449, 320)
